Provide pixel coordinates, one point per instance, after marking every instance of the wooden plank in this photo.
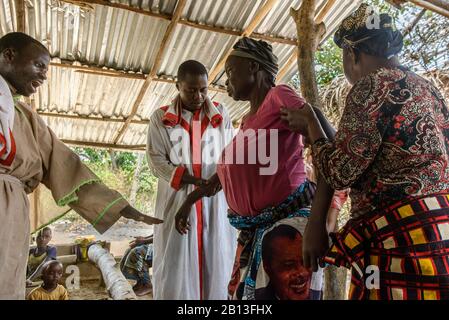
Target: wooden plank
(432, 6)
(88, 118)
(287, 66)
(119, 6)
(260, 15)
(165, 40)
(192, 24)
(92, 70)
(324, 11)
(100, 71)
(20, 15)
(139, 147)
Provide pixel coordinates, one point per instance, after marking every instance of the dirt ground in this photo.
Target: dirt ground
(66, 231)
(92, 290)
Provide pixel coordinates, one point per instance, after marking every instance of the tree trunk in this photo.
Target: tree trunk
(116, 284)
(309, 37)
(135, 184)
(113, 160)
(310, 33)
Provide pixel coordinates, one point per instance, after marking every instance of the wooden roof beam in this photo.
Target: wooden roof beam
(260, 15)
(123, 74)
(139, 147)
(183, 21)
(89, 118)
(438, 6)
(157, 63)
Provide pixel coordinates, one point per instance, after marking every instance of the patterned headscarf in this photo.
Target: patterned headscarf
(368, 32)
(259, 51)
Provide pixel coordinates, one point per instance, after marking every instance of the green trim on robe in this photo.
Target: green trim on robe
(100, 216)
(71, 196)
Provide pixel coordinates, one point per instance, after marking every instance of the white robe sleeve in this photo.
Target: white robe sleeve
(158, 153)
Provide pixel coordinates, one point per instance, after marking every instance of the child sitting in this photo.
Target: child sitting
(50, 289)
(136, 262)
(39, 255)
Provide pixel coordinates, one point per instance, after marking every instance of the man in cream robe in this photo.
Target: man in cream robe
(185, 141)
(31, 154)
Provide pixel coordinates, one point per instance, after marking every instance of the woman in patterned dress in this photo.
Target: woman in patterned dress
(392, 150)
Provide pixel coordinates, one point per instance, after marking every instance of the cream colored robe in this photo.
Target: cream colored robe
(209, 248)
(42, 158)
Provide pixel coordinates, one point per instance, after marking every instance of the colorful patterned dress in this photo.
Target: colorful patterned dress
(392, 150)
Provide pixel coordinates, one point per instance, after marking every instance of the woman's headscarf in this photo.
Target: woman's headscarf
(259, 51)
(370, 33)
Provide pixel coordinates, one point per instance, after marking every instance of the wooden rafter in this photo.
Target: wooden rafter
(157, 63)
(89, 118)
(288, 65)
(435, 6)
(260, 15)
(120, 6)
(122, 74)
(183, 21)
(438, 6)
(139, 147)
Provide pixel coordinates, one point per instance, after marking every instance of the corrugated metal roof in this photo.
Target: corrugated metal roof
(125, 40)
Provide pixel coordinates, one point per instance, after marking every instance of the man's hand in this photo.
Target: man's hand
(182, 223)
(211, 188)
(315, 244)
(140, 241)
(132, 213)
(298, 119)
(189, 179)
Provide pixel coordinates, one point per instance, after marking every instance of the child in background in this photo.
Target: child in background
(50, 289)
(38, 256)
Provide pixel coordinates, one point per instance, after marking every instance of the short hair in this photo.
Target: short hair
(43, 230)
(48, 264)
(191, 67)
(18, 41)
(284, 231)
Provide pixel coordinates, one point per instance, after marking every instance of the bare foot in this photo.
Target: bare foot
(143, 290)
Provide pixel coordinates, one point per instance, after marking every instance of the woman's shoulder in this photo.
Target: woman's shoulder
(283, 89)
(372, 88)
(286, 96)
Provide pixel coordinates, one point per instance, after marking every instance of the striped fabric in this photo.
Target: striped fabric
(408, 243)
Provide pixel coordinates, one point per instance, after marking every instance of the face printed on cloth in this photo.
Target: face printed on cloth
(283, 264)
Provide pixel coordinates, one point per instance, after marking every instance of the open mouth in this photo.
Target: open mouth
(299, 286)
(36, 84)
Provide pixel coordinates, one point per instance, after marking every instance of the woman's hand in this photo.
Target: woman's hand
(315, 244)
(189, 179)
(298, 119)
(182, 223)
(134, 214)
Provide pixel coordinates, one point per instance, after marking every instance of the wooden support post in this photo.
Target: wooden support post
(310, 34)
(20, 15)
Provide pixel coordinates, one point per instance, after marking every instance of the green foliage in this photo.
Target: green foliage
(121, 179)
(329, 62)
(425, 48)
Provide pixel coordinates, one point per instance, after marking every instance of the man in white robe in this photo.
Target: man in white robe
(185, 141)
